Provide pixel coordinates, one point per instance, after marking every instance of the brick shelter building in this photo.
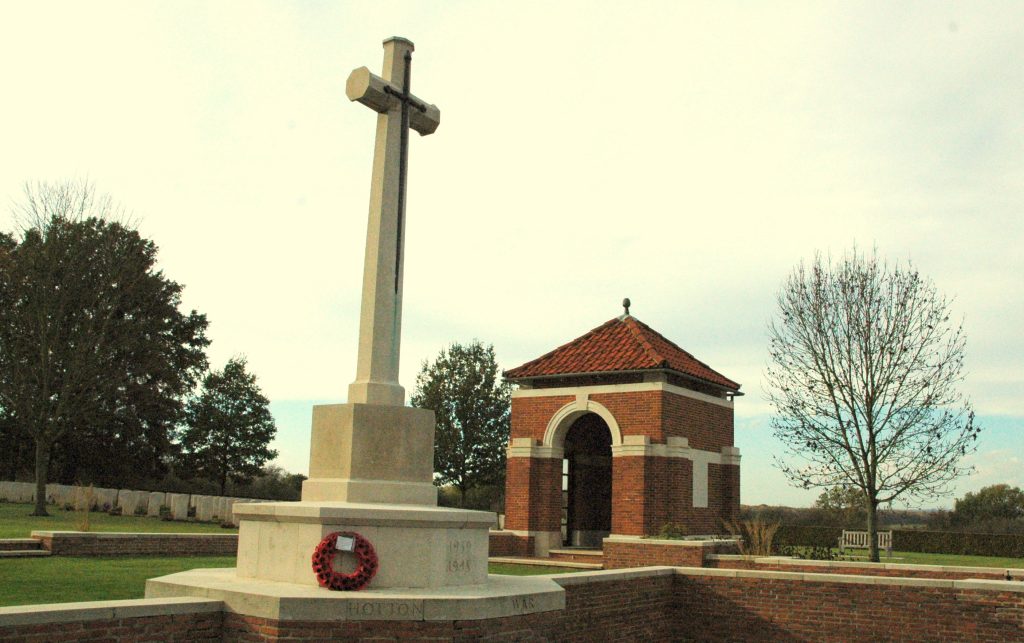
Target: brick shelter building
(619, 432)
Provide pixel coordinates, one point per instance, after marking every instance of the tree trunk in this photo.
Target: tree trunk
(872, 530)
(462, 497)
(42, 469)
(223, 482)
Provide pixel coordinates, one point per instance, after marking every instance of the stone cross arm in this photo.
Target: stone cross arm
(381, 96)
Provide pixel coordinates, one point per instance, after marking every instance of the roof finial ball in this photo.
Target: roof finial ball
(626, 304)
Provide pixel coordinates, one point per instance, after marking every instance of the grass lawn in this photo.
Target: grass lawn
(66, 579)
(60, 579)
(15, 522)
(918, 558)
(509, 569)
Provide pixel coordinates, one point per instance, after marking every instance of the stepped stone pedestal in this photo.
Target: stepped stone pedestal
(371, 460)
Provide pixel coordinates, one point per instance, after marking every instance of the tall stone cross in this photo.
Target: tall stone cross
(380, 320)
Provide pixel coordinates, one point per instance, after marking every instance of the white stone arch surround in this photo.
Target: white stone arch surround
(558, 425)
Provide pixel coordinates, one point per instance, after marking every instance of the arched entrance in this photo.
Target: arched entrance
(587, 482)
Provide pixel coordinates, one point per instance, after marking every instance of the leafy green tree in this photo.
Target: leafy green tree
(228, 428)
(863, 374)
(842, 506)
(995, 502)
(91, 334)
(472, 405)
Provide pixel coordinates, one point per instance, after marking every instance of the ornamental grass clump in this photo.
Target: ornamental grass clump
(754, 537)
(85, 499)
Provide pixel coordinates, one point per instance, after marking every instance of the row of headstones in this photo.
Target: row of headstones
(149, 503)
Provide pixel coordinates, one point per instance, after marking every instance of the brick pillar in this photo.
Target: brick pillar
(533, 500)
(680, 503)
(629, 495)
(731, 491)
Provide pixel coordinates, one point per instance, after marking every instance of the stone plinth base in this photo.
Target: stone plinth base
(499, 597)
(371, 453)
(417, 546)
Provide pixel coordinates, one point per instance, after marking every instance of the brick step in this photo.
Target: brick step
(19, 544)
(589, 556)
(23, 553)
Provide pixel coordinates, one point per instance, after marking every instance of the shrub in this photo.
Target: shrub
(672, 531)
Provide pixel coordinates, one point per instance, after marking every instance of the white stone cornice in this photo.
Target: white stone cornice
(635, 387)
(535, 452)
(528, 448)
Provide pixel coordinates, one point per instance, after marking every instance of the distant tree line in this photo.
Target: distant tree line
(996, 509)
(99, 365)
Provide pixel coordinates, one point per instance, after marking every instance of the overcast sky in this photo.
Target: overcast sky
(686, 155)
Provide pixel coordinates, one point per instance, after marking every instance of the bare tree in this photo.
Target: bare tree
(91, 334)
(863, 375)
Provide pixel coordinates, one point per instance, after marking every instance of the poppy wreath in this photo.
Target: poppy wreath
(323, 563)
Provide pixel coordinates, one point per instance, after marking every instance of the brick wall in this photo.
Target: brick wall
(637, 413)
(707, 426)
(620, 554)
(174, 619)
(721, 608)
(503, 543)
(77, 543)
(533, 494)
(653, 604)
(629, 494)
(530, 415)
(864, 569)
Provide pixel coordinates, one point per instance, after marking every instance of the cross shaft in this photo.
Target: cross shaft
(381, 310)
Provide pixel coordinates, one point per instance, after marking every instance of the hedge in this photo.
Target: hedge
(931, 542)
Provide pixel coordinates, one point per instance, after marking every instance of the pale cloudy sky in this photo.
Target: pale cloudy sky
(683, 154)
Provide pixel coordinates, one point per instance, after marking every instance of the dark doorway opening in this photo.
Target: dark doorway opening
(587, 482)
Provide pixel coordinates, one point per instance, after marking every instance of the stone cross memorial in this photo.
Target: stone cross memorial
(371, 459)
(374, 449)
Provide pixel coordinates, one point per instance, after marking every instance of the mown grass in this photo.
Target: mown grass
(511, 569)
(919, 558)
(60, 579)
(15, 522)
(66, 579)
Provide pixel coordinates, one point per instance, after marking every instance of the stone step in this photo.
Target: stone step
(544, 562)
(588, 556)
(19, 544)
(23, 553)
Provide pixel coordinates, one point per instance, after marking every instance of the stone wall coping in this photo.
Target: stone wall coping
(104, 610)
(501, 596)
(116, 535)
(694, 542)
(610, 575)
(787, 560)
(971, 583)
(372, 514)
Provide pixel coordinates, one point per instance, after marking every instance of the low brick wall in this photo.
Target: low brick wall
(507, 543)
(650, 604)
(727, 605)
(168, 619)
(890, 570)
(81, 543)
(621, 552)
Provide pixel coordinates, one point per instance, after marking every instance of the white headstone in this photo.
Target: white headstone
(24, 491)
(206, 507)
(106, 499)
(178, 502)
(157, 499)
(128, 501)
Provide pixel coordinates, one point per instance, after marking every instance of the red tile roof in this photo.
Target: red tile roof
(621, 344)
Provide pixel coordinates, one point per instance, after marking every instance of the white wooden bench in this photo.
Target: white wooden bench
(859, 540)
